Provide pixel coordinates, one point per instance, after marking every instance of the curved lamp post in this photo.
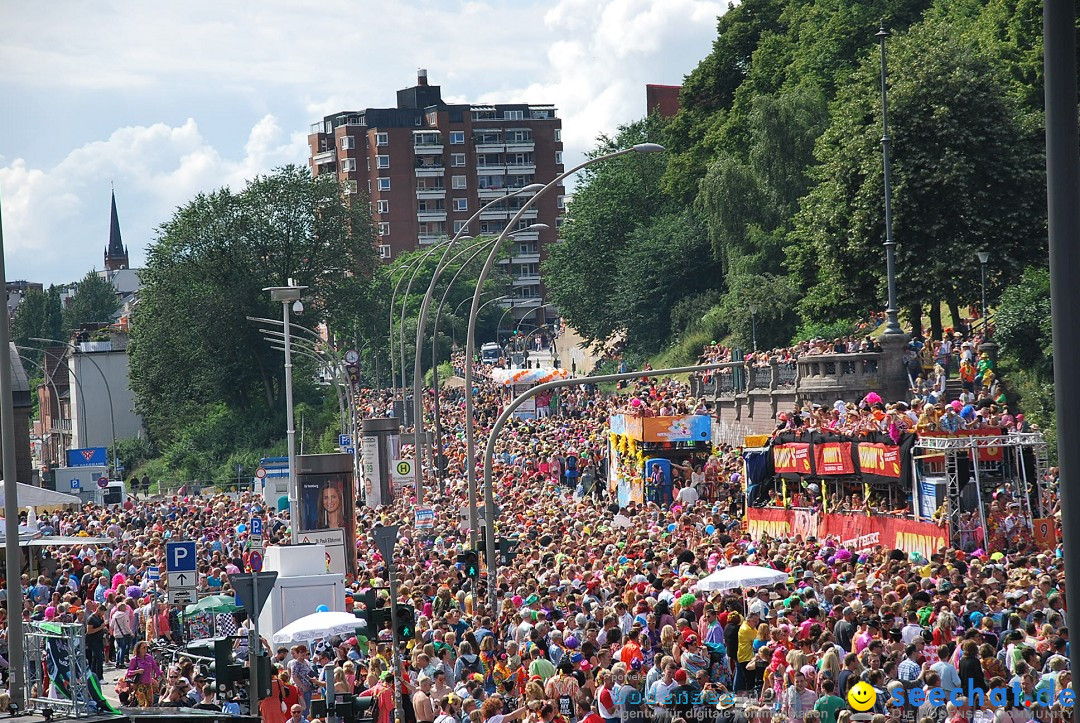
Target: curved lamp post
(470, 338)
(108, 391)
(421, 321)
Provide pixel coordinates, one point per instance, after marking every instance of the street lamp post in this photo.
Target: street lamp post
(421, 321)
(12, 550)
(470, 343)
(289, 296)
(753, 325)
(108, 391)
(984, 257)
(892, 324)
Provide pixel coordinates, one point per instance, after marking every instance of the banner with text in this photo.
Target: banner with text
(833, 458)
(792, 458)
(861, 531)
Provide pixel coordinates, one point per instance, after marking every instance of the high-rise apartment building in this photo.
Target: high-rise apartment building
(427, 166)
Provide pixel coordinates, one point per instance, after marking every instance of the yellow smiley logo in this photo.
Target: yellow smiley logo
(862, 697)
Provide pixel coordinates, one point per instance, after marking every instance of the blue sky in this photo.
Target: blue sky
(165, 100)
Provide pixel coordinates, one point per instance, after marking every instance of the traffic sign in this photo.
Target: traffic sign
(103, 482)
(256, 526)
(255, 561)
(180, 556)
(246, 590)
(344, 440)
(349, 450)
(182, 596)
(153, 573)
(76, 484)
(185, 578)
(260, 473)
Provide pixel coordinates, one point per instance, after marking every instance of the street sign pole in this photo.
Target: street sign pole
(253, 651)
(386, 538)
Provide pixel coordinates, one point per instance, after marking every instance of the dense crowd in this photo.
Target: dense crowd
(599, 617)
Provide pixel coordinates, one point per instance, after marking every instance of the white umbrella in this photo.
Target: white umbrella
(741, 576)
(319, 626)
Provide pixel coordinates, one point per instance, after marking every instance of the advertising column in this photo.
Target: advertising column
(327, 507)
(379, 446)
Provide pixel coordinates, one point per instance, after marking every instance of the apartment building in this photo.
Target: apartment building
(427, 166)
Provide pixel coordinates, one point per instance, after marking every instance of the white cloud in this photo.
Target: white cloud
(166, 100)
(59, 216)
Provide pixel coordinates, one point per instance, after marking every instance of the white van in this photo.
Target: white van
(490, 353)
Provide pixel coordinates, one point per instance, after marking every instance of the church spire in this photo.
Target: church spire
(116, 255)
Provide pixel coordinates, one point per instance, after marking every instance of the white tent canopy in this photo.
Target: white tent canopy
(318, 626)
(741, 576)
(30, 496)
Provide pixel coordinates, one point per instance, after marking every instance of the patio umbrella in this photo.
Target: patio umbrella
(741, 576)
(319, 626)
(213, 604)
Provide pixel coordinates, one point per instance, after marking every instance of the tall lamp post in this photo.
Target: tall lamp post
(892, 324)
(12, 550)
(470, 345)
(984, 257)
(753, 325)
(421, 321)
(289, 297)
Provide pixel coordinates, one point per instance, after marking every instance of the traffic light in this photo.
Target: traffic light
(262, 669)
(376, 615)
(223, 670)
(406, 623)
(508, 550)
(470, 564)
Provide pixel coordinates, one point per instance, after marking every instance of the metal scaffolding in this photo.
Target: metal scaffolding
(1011, 468)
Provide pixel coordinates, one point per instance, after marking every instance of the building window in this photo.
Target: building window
(461, 204)
(558, 158)
(560, 202)
(384, 251)
(349, 188)
(457, 182)
(457, 137)
(348, 165)
(457, 159)
(513, 115)
(384, 184)
(348, 143)
(382, 161)
(460, 226)
(383, 205)
(382, 139)
(384, 228)
(558, 135)
(369, 186)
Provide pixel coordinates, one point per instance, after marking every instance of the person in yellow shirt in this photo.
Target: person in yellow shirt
(744, 679)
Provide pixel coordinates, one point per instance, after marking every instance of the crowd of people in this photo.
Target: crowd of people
(600, 618)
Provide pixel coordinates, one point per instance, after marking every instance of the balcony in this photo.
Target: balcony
(428, 149)
(527, 235)
(522, 302)
(429, 239)
(521, 258)
(520, 147)
(430, 171)
(425, 216)
(521, 168)
(527, 280)
(329, 156)
(430, 193)
(489, 146)
(491, 170)
(494, 215)
(60, 426)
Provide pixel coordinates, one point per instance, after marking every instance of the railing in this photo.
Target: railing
(837, 369)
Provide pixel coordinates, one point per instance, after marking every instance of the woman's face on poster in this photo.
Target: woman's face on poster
(331, 499)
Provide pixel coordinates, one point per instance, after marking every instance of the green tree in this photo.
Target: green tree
(94, 301)
(612, 200)
(195, 358)
(967, 173)
(39, 316)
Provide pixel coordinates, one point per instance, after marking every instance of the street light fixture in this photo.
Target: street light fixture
(984, 257)
(753, 324)
(287, 295)
(892, 323)
(470, 351)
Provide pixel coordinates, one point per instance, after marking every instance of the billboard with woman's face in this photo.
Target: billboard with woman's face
(327, 507)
